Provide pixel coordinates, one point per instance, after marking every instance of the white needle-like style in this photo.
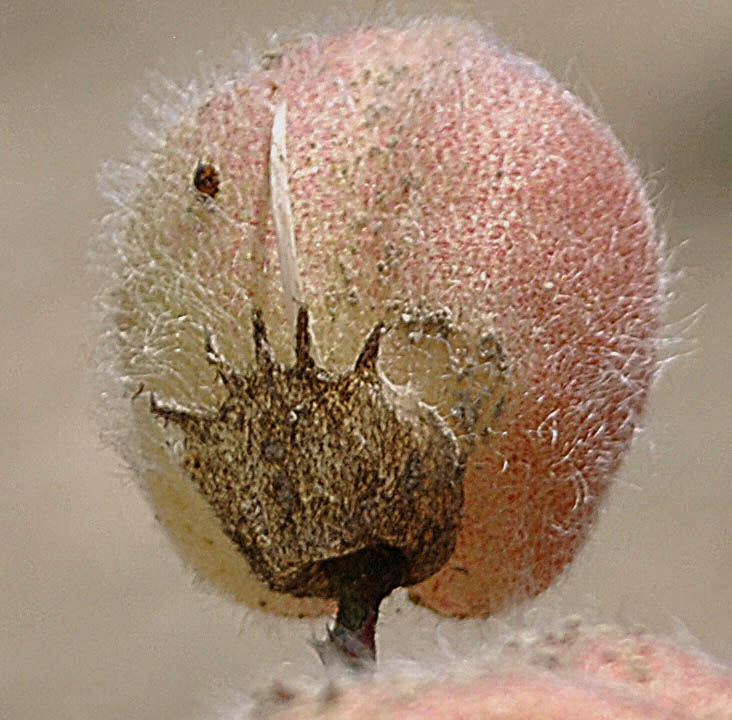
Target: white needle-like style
(282, 215)
(284, 225)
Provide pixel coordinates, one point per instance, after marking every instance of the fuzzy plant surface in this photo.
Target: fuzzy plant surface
(380, 309)
(575, 671)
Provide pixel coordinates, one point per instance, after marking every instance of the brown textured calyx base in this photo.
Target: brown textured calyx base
(319, 477)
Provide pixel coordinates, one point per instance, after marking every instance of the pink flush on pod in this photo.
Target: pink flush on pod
(580, 672)
(433, 370)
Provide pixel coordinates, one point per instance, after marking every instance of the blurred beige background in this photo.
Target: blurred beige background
(98, 619)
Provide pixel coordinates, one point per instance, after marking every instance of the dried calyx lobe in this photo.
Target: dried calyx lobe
(333, 486)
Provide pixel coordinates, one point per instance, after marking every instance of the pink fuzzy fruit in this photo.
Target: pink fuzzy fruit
(578, 672)
(465, 227)
(676, 679)
(496, 696)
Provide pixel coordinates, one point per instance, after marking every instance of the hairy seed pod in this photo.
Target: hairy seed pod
(578, 671)
(412, 325)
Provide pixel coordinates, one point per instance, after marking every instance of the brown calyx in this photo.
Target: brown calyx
(332, 486)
